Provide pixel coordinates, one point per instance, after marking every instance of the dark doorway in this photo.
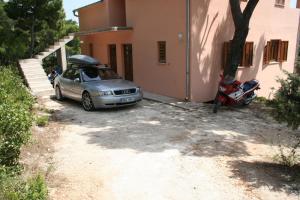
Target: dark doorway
(91, 49)
(128, 61)
(112, 56)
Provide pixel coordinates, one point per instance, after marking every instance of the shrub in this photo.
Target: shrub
(15, 127)
(286, 103)
(15, 116)
(12, 89)
(36, 188)
(15, 123)
(286, 106)
(288, 156)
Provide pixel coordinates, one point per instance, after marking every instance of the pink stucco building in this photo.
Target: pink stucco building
(176, 47)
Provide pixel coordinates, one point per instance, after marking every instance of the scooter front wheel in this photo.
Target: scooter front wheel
(217, 104)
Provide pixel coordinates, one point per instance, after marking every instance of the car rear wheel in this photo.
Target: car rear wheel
(87, 102)
(58, 94)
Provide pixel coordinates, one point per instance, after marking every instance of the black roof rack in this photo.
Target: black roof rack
(83, 60)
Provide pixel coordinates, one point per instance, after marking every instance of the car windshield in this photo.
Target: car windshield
(96, 74)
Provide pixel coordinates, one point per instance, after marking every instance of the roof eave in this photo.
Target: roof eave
(101, 30)
(100, 1)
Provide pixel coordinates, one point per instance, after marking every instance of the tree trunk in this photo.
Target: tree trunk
(241, 23)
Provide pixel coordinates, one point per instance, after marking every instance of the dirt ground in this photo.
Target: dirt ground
(154, 151)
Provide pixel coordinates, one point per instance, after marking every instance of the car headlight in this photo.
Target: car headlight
(105, 93)
(138, 89)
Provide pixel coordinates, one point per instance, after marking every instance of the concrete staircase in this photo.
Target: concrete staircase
(32, 69)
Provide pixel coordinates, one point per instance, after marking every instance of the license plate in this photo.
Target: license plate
(129, 99)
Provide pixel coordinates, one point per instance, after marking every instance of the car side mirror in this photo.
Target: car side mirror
(77, 80)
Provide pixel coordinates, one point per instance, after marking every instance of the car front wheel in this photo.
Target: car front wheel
(87, 102)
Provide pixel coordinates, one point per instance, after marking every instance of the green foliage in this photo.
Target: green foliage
(286, 103)
(42, 121)
(27, 27)
(72, 47)
(15, 123)
(36, 189)
(49, 63)
(11, 40)
(15, 116)
(12, 187)
(40, 21)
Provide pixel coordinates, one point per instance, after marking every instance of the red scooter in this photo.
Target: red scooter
(235, 93)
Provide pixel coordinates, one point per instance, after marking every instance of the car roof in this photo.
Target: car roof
(91, 66)
(95, 66)
(83, 60)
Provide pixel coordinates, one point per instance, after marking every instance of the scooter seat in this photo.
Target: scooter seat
(249, 85)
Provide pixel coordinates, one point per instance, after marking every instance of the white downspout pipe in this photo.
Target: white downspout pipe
(188, 51)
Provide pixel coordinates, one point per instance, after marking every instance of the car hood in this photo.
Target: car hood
(115, 84)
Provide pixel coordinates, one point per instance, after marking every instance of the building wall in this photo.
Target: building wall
(211, 25)
(94, 16)
(117, 15)
(154, 21)
(100, 43)
(107, 13)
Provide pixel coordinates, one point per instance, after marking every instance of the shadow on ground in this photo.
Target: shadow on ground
(155, 127)
(275, 177)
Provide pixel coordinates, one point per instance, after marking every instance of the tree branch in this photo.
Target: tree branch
(249, 9)
(236, 12)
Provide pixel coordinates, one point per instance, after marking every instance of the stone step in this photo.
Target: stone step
(42, 87)
(33, 60)
(38, 56)
(33, 71)
(34, 76)
(39, 84)
(58, 44)
(44, 53)
(39, 77)
(44, 93)
(33, 68)
(31, 65)
(37, 81)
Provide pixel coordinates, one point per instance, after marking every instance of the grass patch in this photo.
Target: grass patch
(42, 121)
(13, 187)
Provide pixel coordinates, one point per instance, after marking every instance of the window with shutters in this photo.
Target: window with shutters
(276, 51)
(162, 52)
(246, 57)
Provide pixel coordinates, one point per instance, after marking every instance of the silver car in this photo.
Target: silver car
(95, 85)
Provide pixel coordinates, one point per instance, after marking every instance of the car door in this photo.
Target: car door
(76, 85)
(66, 83)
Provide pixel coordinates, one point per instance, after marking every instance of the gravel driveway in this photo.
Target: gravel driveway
(155, 151)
